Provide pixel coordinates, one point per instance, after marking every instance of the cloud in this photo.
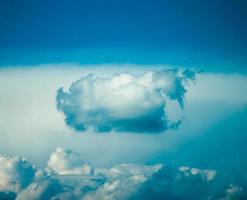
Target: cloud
(121, 182)
(214, 98)
(15, 173)
(124, 102)
(187, 183)
(232, 192)
(65, 162)
(206, 175)
(42, 187)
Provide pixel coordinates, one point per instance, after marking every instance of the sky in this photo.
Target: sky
(210, 35)
(123, 100)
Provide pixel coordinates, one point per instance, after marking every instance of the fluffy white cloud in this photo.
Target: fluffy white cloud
(121, 182)
(124, 102)
(65, 162)
(15, 174)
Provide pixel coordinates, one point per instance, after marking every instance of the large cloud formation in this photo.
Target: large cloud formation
(124, 102)
(65, 178)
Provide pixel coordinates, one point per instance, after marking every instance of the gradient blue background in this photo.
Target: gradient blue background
(210, 35)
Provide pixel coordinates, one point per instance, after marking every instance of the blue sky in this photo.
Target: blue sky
(123, 99)
(210, 35)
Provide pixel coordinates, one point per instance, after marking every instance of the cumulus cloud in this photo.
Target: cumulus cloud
(42, 187)
(124, 102)
(15, 173)
(121, 182)
(65, 162)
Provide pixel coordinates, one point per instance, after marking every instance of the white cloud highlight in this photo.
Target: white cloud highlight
(15, 174)
(65, 162)
(124, 102)
(121, 182)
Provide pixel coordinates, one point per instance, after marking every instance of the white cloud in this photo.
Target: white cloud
(15, 174)
(65, 162)
(121, 182)
(29, 118)
(124, 102)
(207, 175)
(118, 182)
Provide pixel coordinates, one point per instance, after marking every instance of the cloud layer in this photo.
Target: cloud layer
(124, 102)
(65, 178)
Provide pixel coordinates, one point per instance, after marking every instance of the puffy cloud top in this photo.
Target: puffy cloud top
(121, 182)
(68, 162)
(124, 102)
(15, 174)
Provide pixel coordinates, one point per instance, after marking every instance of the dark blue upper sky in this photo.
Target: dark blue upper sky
(195, 32)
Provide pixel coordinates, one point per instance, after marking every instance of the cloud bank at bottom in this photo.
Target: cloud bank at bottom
(68, 176)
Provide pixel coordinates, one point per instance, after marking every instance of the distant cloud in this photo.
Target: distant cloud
(124, 102)
(121, 182)
(207, 175)
(65, 162)
(232, 192)
(15, 174)
(182, 183)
